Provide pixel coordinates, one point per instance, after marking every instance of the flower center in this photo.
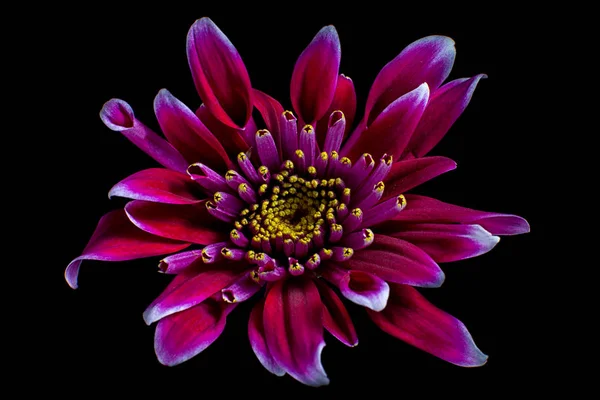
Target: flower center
(294, 213)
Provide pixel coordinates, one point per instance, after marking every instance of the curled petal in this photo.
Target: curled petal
(408, 174)
(189, 222)
(158, 185)
(422, 209)
(315, 76)
(365, 289)
(344, 100)
(444, 108)
(117, 239)
(118, 116)
(395, 260)
(180, 262)
(234, 140)
(271, 111)
(184, 335)
(219, 73)
(188, 134)
(429, 60)
(293, 326)
(411, 318)
(256, 334)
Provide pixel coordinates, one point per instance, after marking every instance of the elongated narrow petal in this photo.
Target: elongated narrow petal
(182, 336)
(209, 180)
(315, 76)
(219, 73)
(395, 260)
(390, 132)
(117, 239)
(336, 126)
(293, 326)
(158, 185)
(408, 174)
(118, 116)
(267, 150)
(256, 334)
(344, 100)
(429, 60)
(413, 319)
(190, 292)
(188, 222)
(444, 108)
(445, 243)
(271, 111)
(383, 211)
(336, 319)
(180, 262)
(187, 133)
(422, 209)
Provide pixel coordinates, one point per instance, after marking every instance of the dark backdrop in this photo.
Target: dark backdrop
(95, 338)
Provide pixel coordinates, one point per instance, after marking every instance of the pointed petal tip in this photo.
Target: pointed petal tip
(117, 115)
(72, 272)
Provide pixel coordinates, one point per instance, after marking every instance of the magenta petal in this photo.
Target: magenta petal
(190, 292)
(188, 222)
(182, 336)
(232, 139)
(315, 76)
(344, 100)
(445, 243)
(408, 174)
(422, 209)
(219, 73)
(411, 318)
(118, 116)
(444, 108)
(395, 260)
(158, 185)
(365, 289)
(336, 319)
(256, 334)
(271, 111)
(293, 325)
(181, 262)
(391, 131)
(188, 134)
(429, 60)
(117, 239)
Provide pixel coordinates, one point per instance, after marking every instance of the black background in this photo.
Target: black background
(94, 338)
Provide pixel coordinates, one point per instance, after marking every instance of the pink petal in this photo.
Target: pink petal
(365, 289)
(118, 116)
(411, 318)
(344, 100)
(188, 134)
(429, 60)
(395, 260)
(445, 106)
(188, 222)
(391, 131)
(181, 262)
(158, 185)
(445, 243)
(117, 239)
(315, 76)
(408, 174)
(182, 336)
(336, 319)
(219, 73)
(294, 329)
(256, 334)
(191, 291)
(271, 111)
(421, 209)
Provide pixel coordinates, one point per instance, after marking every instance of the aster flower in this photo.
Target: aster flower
(297, 209)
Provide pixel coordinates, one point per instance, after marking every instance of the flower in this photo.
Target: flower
(301, 211)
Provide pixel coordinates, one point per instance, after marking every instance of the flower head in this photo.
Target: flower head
(297, 209)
